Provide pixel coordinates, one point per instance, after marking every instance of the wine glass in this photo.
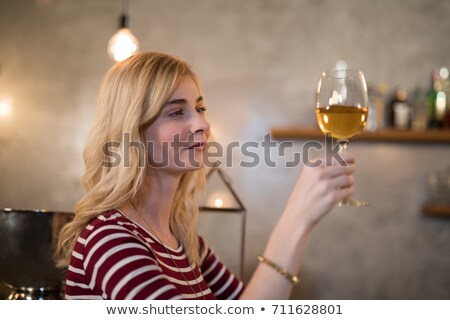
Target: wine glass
(341, 109)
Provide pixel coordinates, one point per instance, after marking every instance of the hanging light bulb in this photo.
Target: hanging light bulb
(123, 43)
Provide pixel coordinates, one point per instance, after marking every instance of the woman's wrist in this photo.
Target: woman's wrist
(287, 238)
(294, 279)
(295, 223)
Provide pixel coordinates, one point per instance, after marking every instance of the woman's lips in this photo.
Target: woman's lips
(198, 145)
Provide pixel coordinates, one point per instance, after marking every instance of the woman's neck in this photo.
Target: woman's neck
(156, 197)
(153, 205)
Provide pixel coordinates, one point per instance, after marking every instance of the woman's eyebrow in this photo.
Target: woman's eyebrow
(180, 101)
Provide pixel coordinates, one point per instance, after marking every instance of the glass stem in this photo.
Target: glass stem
(343, 145)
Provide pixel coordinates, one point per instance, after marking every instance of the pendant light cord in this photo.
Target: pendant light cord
(124, 21)
(125, 6)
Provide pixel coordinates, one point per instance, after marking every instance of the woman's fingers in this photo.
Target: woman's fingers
(341, 181)
(318, 189)
(337, 170)
(342, 159)
(343, 193)
(347, 157)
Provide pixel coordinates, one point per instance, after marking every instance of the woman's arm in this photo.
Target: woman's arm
(316, 192)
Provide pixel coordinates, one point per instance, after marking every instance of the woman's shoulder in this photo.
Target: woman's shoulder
(112, 220)
(110, 217)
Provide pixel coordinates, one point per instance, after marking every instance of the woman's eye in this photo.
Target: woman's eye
(201, 109)
(176, 113)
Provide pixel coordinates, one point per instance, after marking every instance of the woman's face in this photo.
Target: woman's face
(176, 140)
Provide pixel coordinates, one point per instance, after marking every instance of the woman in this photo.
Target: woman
(133, 235)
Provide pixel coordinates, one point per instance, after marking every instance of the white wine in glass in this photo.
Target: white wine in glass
(341, 109)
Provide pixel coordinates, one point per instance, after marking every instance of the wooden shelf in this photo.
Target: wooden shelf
(436, 210)
(386, 135)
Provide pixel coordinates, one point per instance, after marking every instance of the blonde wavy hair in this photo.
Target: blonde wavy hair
(130, 99)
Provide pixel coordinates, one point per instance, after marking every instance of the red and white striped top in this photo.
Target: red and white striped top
(115, 258)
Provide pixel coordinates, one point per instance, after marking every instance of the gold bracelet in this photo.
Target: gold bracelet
(292, 278)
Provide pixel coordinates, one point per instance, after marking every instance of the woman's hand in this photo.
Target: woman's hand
(316, 192)
(318, 189)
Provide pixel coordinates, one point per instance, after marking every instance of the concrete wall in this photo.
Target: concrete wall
(259, 61)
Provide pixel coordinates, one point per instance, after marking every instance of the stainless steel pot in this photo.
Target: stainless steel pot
(27, 243)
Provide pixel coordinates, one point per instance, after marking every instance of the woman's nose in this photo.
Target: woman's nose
(199, 124)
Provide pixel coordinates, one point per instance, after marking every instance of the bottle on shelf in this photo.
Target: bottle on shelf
(398, 111)
(419, 109)
(445, 79)
(389, 111)
(437, 98)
